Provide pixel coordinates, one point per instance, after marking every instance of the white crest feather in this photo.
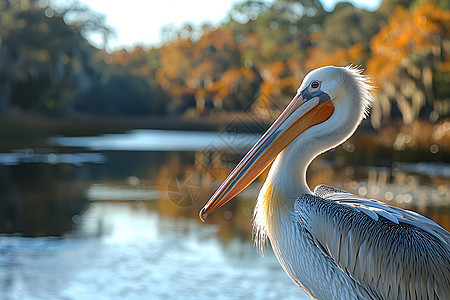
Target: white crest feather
(365, 86)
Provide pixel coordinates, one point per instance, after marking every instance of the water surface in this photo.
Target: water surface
(116, 216)
(122, 251)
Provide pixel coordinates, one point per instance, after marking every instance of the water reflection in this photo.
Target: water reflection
(41, 199)
(126, 251)
(125, 221)
(20, 156)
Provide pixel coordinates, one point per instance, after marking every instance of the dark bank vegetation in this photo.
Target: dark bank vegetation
(253, 62)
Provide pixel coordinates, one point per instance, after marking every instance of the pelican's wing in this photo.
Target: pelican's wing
(391, 252)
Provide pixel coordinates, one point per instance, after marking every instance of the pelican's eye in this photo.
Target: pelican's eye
(314, 86)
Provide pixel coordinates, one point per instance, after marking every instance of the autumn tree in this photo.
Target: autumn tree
(411, 66)
(274, 39)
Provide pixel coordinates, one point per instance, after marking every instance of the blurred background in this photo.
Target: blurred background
(113, 137)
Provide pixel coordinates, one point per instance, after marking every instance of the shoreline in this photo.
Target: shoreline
(23, 130)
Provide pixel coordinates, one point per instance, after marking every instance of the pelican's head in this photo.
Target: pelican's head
(330, 103)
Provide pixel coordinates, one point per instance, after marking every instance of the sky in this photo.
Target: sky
(140, 21)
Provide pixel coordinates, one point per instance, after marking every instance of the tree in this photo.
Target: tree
(348, 26)
(410, 64)
(119, 95)
(134, 74)
(45, 62)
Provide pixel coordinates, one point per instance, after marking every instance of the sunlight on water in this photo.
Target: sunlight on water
(158, 140)
(97, 192)
(127, 252)
(116, 216)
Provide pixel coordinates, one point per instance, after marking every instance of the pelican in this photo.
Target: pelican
(332, 244)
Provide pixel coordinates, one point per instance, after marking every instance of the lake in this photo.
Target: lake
(116, 216)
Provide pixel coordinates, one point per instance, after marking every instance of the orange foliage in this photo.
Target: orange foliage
(175, 60)
(221, 39)
(233, 66)
(340, 57)
(231, 80)
(235, 82)
(271, 74)
(133, 62)
(419, 31)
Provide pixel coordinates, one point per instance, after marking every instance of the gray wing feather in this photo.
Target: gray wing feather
(391, 252)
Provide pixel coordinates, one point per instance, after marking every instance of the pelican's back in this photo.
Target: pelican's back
(391, 252)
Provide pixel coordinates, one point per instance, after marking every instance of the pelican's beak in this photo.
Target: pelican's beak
(299, 115)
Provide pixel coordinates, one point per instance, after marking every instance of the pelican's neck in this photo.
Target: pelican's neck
(286, 180)
(288, 171)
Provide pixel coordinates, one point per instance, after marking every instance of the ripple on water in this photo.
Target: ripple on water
(124, 252)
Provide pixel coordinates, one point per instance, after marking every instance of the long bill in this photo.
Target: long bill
(298, 116)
